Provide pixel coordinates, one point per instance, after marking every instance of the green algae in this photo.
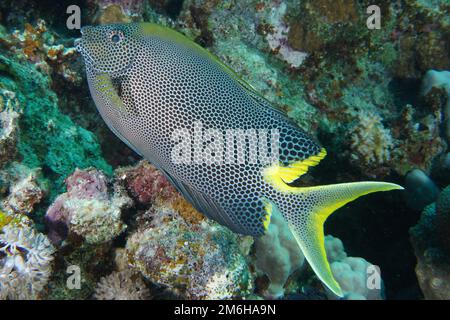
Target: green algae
(48, 138)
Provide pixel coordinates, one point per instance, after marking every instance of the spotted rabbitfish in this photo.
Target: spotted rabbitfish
(149, 81)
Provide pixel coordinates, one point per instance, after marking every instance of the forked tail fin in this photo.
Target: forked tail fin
(317, 204)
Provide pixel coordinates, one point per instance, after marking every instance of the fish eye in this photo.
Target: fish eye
(116, 37)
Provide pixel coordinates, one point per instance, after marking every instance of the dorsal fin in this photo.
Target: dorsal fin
(280, 176)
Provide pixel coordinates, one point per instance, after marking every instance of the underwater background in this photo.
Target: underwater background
(83, 217)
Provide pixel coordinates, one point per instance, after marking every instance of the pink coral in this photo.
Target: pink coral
(87, 184)
(145, 183)
(87, 209)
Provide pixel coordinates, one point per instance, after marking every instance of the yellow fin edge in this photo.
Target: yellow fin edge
(268, 208)
(278, 176)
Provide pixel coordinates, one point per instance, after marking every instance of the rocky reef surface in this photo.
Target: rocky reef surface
(76, 202)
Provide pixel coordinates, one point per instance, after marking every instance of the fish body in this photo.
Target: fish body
(223, 146)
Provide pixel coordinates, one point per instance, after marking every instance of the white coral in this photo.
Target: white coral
(359, 279)
(25, 262)
(123, 285)
(97, 221)
(370, 140)
(277, 255)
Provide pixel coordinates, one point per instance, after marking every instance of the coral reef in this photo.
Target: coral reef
(123, 285)
(432, 248)
(87, 209)
(38, 45)
(9, 124)
(51, 140)
(197, 261)
(378, 100)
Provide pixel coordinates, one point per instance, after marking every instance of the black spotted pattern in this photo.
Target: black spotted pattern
(164, 86)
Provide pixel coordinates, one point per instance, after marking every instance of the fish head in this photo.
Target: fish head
(108, 48)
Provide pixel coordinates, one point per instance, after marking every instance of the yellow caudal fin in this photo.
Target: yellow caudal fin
(317, 204)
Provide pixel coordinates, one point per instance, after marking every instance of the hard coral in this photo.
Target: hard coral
(277, 39)
(432, 248)
(118, 11)
(353, 274)
(24, 195)
(370, 141)
(37, 45)
(277, 255)
(23, 188)
(10, 113)
(87, 209)
(198, 261)
(145, 184)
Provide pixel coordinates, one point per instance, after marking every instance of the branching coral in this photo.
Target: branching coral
(122, 285)
(25, 261)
